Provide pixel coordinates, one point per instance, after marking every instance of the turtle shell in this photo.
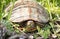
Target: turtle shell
(28, 10)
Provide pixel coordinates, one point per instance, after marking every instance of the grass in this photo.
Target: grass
(53, 8)
(54, 13)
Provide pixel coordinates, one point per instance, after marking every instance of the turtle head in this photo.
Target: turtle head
(30, 26)
(30, 23)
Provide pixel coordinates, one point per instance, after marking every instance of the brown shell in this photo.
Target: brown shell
(28, 10)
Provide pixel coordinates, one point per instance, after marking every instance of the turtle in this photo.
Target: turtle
(29, 13)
